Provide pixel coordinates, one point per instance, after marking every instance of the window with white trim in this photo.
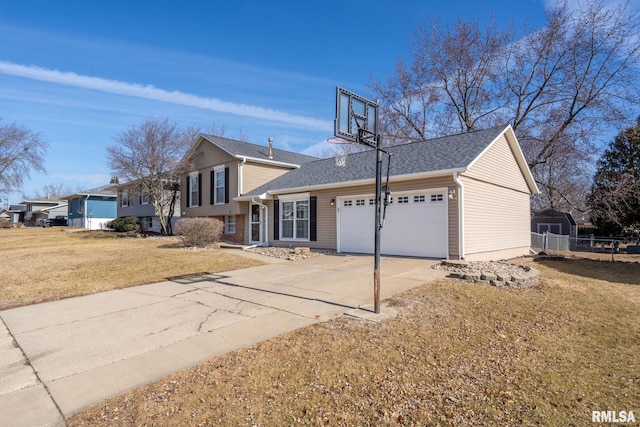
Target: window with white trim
(193, 189)
(372, 201)
(144, 199)
(230, 224)
(124, 199)
(218, 182)
(437, 197)
(419, 199)
(347, 203)
(403, 200)
(294, 219)
(360, 202)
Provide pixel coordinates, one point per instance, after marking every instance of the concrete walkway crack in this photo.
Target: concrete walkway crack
(30, 365)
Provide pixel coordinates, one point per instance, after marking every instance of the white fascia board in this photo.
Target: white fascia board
(263, 196)
(267, 162)
(394, 178)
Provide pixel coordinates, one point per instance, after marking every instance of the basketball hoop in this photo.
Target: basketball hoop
(341, 149)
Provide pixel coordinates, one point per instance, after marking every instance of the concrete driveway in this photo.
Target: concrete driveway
(60, 357)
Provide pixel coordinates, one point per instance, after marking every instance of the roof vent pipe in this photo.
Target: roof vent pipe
(271, 147)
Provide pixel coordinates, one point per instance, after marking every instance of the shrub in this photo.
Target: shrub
(124, 225)
(198, 232)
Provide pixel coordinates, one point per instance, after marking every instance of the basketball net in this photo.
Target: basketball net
(341, 149)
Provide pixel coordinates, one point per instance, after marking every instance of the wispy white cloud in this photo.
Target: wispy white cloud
(153, 93)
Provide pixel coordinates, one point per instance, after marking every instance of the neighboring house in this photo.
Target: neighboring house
(92, 209)
(17, 213)
(555, 222)
(223, 169)
(464, 196)
(43, 208)
(132, 203)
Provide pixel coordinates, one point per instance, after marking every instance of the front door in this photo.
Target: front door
(256, 224)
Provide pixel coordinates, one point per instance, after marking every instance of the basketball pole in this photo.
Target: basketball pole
(376, 262)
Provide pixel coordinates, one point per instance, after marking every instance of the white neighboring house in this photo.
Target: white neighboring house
(42, 208)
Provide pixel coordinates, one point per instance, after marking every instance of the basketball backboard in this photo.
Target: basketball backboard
(356, 117)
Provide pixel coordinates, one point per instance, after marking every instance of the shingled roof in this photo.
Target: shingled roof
(435, 156)
(258, 152)
(104, 191)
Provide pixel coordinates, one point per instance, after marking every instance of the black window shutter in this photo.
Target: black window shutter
(212, 190)
(188, 195)
(199, 189)
(276, 220)
(226, 184)
(313, 208)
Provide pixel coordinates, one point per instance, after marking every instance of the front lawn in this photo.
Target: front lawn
(46, 264)
(458, 354)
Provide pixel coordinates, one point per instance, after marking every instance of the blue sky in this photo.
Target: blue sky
(81, 72)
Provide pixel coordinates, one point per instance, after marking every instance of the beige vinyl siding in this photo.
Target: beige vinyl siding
(207, 157)
(256, 174)
(326, 225)
(496, 220)
(498, 166)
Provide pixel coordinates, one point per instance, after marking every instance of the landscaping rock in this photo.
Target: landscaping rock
(500, 274)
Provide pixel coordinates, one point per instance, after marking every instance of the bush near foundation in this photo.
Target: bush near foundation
(199, 232)
(124, 225)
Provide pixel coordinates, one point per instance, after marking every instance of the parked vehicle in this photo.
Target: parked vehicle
(59, 220)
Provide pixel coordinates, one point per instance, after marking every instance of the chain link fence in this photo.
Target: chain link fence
(561, 243)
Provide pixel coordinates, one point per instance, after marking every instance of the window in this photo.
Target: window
(419, 199)
(229, 224)
(437, 197)
(124, 199)
(194, 186)
(144, 199)
(360, 202)
(372, 201)
(294, 220)
(218, 183)
(347, 203)
(403, 199)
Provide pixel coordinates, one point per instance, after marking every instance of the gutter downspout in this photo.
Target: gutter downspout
(460, 215)
(244, 160)
(266, 223)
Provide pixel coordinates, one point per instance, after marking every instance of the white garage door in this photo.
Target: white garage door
(415, 225)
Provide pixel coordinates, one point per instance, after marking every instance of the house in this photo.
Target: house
(555, 222)
(42, 208)
(463, 196)
(92, 209)
(134, 202)
(223, 169)
(16, 213)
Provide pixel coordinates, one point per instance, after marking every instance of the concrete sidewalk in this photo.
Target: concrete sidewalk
(60, 357)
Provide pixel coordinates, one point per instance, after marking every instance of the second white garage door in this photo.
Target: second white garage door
(415, 225)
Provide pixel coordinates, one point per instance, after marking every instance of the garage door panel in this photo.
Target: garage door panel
(415, 225)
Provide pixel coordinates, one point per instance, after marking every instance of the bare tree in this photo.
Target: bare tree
(560, 87)
(147, 157)
(53, 190)
(21, 150)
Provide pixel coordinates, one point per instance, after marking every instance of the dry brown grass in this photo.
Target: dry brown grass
(458, 354)
(46, 264)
